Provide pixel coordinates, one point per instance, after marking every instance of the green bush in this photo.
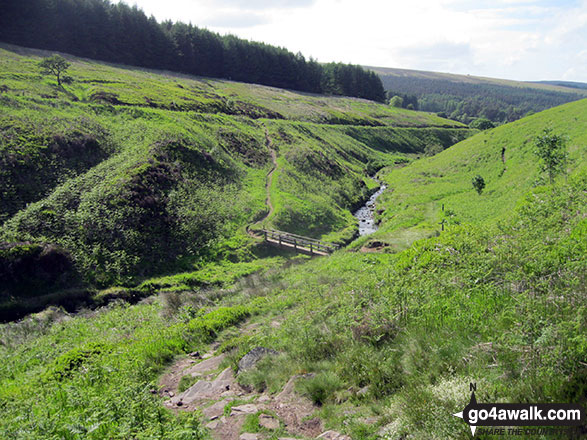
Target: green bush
(66, 364)
(320, 388)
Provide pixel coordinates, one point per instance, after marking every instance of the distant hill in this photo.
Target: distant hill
(465, 97)
(569, 84)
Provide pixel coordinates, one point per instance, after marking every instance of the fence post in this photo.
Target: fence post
(295, 244)
(265, 231)
(280, 240)
(311, 251)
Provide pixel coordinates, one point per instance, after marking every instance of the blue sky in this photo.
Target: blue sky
(513, 39)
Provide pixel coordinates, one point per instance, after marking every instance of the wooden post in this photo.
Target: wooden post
(311, 251)
(295, 244)
(442, 223)
(279, 240)
(265, 234)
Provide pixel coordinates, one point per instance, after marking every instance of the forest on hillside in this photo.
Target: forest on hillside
(119, 33)
(465, 101)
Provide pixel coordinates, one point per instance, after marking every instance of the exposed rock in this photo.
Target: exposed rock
(248, 408)
(206, 366)
(288, 390)
(312, 425)
(333, 435)
(251, 359)
(213, 424)
(195, 354)
(268, 422)
(204, 389)
(215, 411)
(249, 436)
(363, 391)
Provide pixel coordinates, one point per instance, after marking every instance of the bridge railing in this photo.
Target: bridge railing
(299, 241)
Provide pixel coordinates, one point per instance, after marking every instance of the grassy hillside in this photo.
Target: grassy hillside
(138, 185)
(465, 98)
(392, 340)
(126, 174)
(412, 206)
(555, 86)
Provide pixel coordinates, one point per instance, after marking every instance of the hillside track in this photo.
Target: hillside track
(268, 183)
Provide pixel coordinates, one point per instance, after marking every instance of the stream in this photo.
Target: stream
(365, 214)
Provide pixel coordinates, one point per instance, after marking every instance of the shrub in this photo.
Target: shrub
(72, 360)
(482, 124)
(478, 183)
(551, 150)
(321, 387)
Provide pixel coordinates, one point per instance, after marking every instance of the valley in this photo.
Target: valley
(135, 280)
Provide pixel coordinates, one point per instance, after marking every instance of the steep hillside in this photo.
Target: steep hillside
(372, 345)
(466, 97)
(504, 157)
(128, 173)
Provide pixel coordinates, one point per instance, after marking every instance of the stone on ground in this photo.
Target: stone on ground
(215, 411)
(268, 422)
(248, 408)
(206, 390)
(251, 359)
(333, 435)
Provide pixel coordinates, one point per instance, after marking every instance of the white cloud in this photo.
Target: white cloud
(518, 39)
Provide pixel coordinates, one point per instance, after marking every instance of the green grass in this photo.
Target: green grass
(135, 88)
(92, 376)
(415, 196)
(497, 298)
(415, 327)
(138, 174)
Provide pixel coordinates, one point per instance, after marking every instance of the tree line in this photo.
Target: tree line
(465, 102)
(119, 33)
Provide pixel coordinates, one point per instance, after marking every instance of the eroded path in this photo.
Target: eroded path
(225, 405)
(268, 183)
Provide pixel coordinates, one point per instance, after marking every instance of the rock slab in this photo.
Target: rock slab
(251, 359)
(333, 435)
(268, 422)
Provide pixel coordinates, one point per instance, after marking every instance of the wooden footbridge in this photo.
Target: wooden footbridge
(299, 243)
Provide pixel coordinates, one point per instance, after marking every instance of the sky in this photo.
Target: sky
(510, 39)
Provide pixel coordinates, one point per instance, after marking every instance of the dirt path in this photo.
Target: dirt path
(225, 404)
(268, 184)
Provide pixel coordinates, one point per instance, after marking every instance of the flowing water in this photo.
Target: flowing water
(366, 214)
